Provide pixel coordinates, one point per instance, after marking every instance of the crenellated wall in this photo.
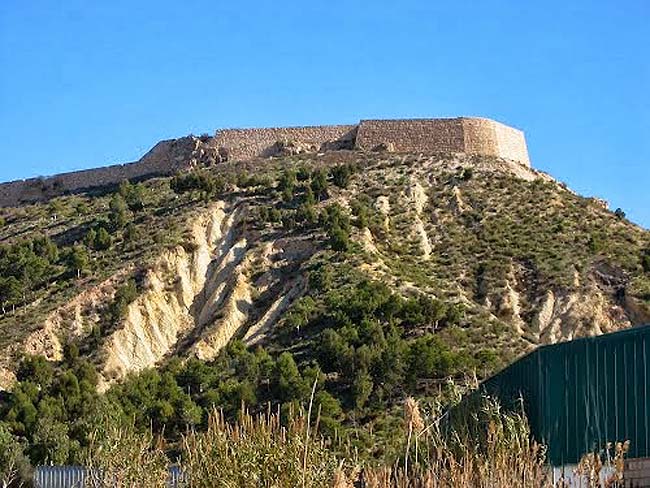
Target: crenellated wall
(463, 135)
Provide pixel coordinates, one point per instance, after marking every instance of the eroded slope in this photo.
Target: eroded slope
(530, 261)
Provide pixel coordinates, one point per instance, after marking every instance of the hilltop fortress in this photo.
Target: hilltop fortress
(467, 135)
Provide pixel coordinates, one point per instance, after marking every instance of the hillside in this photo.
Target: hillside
(375, 274)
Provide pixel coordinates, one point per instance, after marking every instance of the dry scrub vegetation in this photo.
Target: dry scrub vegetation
(283, 449)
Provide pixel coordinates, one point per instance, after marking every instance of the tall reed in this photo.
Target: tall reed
(284, 450)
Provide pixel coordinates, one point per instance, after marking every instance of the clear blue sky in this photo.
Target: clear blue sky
(89, 83)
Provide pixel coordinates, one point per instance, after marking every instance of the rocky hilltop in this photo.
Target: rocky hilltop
(466, 135)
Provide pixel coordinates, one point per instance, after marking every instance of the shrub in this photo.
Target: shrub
(287, 184)
(131, 233)
(334, 216)
(341, 175)
(466, 174)
(118, 215)
(198, 181)
(133, 195)
(103, 240)
(645, 260)
(319, 184)
(77, 260)
(14, 465)
(303, 173)
(339, 239)
(124, 295)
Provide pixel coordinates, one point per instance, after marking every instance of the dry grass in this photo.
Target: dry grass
(265, 451)
(120, 457)
(257, 451)
(505, 456)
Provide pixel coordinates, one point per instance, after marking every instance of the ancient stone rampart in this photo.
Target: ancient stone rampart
(165, 158)
(489, 138)
(467, 135)
(463, 135)
(242, 144)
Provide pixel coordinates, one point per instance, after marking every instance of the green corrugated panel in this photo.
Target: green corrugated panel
(581, 394)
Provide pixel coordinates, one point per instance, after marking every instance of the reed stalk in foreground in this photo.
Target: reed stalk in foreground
(121, 457)
(261, 450)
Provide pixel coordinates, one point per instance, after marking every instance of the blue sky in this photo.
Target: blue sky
(86, 84)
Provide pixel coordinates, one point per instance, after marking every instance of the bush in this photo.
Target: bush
(133, 195)
(595, 244)
(37, 370)
(77, 260)
(26, 266)
(339, 239)
(14, 465)
(288, 380)
(124, 295)
(466, 174)
(361, 388)
(319, 184)
(334, 216)
(341, 175)
(287, 184)
(303, 173)
(198, 181)
(131, 233)
(103, 240)
(118, 215)
(645, 260)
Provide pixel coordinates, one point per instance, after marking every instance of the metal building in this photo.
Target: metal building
(581, 394)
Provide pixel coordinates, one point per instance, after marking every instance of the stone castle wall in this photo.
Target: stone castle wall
(463, 135)
(511, 143)
(425, 135)
(242, 144)
(165, 158)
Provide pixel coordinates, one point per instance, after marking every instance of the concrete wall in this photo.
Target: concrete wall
(243, 144)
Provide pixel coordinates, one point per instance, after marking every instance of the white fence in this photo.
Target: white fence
(75, 477)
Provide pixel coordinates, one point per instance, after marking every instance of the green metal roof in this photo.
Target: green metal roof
(581, 394)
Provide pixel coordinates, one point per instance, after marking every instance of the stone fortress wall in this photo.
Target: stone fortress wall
(242, 144)
(164, 159)
(462, 135)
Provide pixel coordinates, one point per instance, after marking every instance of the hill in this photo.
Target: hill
(373, 275)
